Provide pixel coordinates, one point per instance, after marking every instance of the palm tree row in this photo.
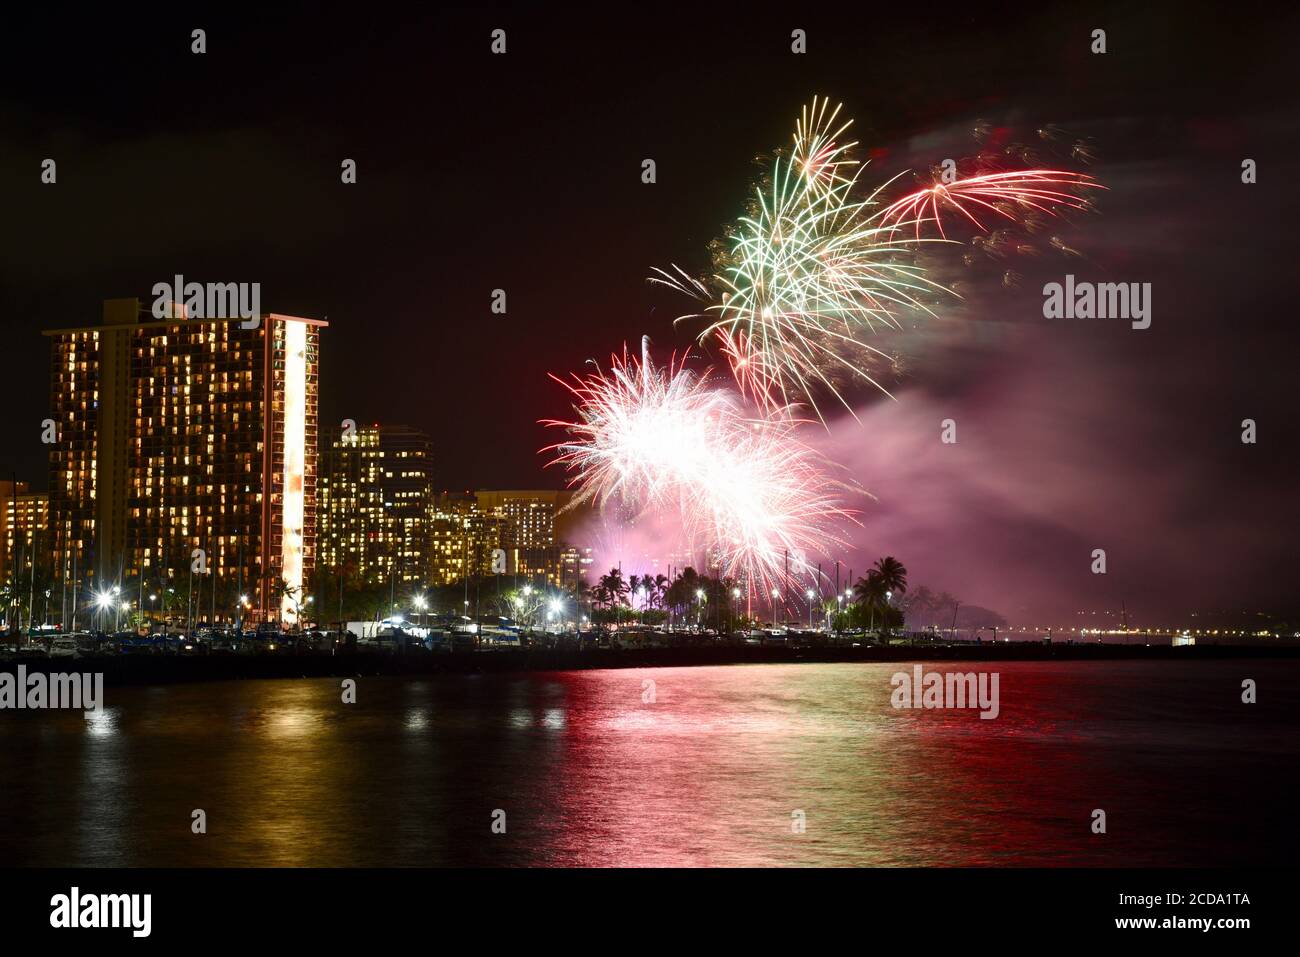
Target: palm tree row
(689, 598)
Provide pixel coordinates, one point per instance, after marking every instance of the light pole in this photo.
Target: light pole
(102, 601)
(776, 593)
(699, 609)
(810, 594)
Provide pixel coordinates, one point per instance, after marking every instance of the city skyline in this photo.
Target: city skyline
(1075, 435)
(186, 441)
(436, 555)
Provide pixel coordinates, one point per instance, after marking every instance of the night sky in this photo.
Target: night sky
(522, 172)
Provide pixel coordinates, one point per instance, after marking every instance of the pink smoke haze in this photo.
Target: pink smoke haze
(1053, 459)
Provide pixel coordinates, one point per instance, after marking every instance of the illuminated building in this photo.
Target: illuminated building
(575, 562)
(376, 502)
(24, 517)
(536, 532)
(530, 527)
(462, 539)
(176, 435)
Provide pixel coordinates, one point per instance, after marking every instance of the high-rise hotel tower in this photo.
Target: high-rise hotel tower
(184, 443)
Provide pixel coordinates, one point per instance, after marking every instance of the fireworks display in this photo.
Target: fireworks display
(816, 263)
(814, 266)
(663, 441)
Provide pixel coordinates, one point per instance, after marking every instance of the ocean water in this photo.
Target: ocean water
(753, 765)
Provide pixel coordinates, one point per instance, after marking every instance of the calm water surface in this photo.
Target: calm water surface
(709, 774)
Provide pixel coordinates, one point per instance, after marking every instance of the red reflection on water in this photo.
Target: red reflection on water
(716, 770)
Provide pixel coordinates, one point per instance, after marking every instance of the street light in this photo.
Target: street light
(810, 594)
(103, 600)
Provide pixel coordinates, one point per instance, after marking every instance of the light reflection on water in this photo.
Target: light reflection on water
(710, 773)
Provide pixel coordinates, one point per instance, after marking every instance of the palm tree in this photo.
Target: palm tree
(870, 593)
(887, 578)
(612, 582)
(892, 574)
(280, 590)
(681, 593)
(171, 601)
(612, 588)
(655, 589)
(866, 590)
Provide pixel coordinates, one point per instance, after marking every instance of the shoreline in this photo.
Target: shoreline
(158, 670)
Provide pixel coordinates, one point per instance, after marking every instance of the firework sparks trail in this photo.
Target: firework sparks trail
(663, 441)
(815, 264)
(1009, 195)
